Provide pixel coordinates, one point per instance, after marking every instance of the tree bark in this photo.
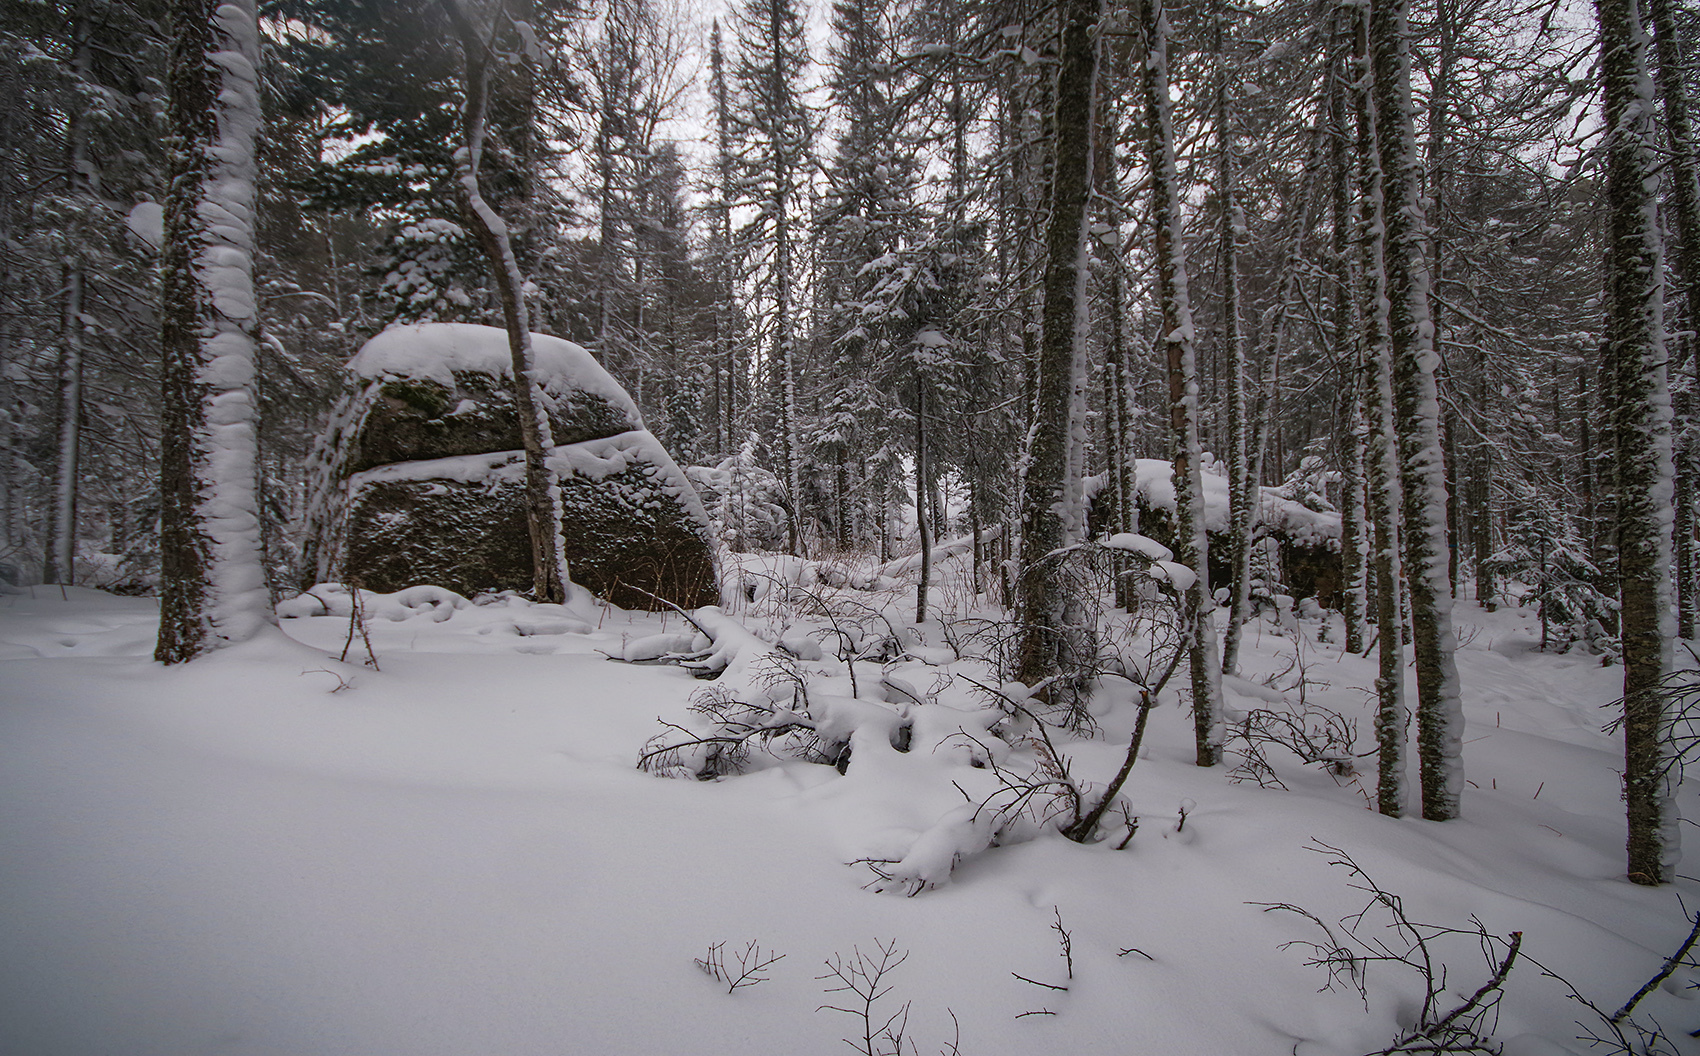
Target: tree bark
(1192, 548)
(542, 492)
(1685, 197)
(60, 563)
(1049, 648)
(1385, 488)
(212, 581)
(1440, 712)
(1641, 424)
(1241, 515)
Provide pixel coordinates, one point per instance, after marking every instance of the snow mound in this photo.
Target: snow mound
(435, 351)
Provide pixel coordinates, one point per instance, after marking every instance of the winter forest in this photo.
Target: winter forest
(532, 525)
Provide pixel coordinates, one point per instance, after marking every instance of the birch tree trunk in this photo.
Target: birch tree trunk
(542, 492)
(1192, 548)
(1641, 424)
(1440, 711)
(1050, 647)
(212, 581)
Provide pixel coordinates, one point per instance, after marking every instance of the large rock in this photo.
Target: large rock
(419, 478)
(1300, 539)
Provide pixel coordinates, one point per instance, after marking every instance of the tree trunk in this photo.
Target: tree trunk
(60, 563)
(1241, 515)
(1385, 490)
(1685, 197)
(1440, 712)
(1641, 421)
(1347, 326)
(1191, 545)
(1049, 648)
(542, 491)
(923, 522)
(212, 581)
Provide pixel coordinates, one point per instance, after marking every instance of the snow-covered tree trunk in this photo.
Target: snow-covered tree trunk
(1641, 420)
(1240, 511)
(1049, 647)
(212, 581)
(542, 491)
(1192, 548)
(1685, 197)
(1347, 327)
(1118, 381)
(1385, 490)
(1440, 710)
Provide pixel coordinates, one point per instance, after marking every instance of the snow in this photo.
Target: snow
(1295, 521)
(434, 351)
(268, 851)
(146, 220)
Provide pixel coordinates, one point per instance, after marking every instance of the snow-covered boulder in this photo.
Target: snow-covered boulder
(439, 389)
(419, 477)
(1299, 530)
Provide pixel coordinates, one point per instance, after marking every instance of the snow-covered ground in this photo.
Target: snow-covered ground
(271, 852)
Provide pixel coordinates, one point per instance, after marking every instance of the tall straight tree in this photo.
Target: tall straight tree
(776, 139)
(79, 170)
(212, 582)
(1053, 645)
(1240, 487)
(542, 490)
(1192, 547)
(1440, 708)
(1641, 423)
(1385, 491)
(1685, 198)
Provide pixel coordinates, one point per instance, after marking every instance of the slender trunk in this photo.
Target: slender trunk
(1347, 325)
(1440, 711)
(1685, 197)
(1049, 648)
(60, 563)
(1240, 511)
(1385, 491)
(1641, 419)
(923, 523)
(542, 491)
(212, 581)
(1191, 545)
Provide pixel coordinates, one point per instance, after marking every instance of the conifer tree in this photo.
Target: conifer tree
(1641, 423)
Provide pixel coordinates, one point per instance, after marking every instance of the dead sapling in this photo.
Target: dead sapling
(861, 978)
(1316, 735)
(357, 625)
(1348, 949)
(1620, 1033)
(751, 970)
(1051, 792)
(1066, 943)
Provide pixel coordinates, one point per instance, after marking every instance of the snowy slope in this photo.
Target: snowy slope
(270, 852)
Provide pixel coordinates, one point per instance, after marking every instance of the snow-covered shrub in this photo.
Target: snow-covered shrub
(745, 501)
(1546, 556)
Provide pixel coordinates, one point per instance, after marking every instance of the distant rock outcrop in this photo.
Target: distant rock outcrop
(419, 476)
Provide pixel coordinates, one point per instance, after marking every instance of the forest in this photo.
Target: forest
(1088, 353)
